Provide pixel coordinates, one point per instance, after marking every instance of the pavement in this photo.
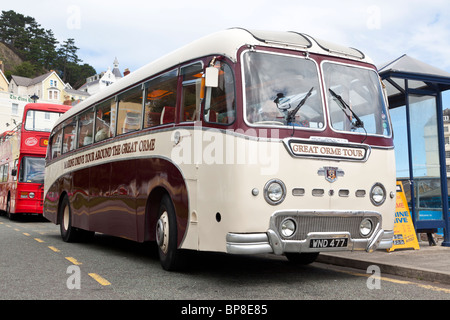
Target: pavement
(429, 263)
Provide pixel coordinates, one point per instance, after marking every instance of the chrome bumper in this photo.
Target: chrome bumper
(272, 242)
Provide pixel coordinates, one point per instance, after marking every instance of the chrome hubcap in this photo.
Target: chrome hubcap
(162, 232)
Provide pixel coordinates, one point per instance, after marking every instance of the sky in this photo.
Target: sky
(138, 32)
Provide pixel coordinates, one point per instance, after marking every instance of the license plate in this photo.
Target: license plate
(328, 243)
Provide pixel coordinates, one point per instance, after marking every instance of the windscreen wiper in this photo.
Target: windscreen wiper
(358, 123)
(290, 115)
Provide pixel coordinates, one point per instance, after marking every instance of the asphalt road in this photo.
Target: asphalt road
(35, 264)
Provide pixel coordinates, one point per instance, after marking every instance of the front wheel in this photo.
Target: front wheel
(166, 236)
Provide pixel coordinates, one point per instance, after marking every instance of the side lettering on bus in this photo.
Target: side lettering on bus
(113, 151)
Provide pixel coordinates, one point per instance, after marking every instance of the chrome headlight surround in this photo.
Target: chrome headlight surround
(274, 192)
(377, 194)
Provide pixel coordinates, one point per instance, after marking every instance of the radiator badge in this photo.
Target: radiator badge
(331, 173)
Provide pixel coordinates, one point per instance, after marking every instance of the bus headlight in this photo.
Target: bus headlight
(274, 191)
(378, 194)
(31, 195)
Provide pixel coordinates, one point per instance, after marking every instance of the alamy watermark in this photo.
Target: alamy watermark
(260, 147)
(74, 17)
(374, 18)
(74, 280)
(374, 280)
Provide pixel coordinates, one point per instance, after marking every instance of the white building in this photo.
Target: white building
(11, 110)
(102, 80)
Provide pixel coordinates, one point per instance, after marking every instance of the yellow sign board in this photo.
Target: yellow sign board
(404, 232)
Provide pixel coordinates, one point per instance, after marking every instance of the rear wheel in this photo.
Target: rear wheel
(166, 236)
(9, 214)
(68, 232)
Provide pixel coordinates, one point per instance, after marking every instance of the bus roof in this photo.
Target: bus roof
(47, 107)
(226, 43)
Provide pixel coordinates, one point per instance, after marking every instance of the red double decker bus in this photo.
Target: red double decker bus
(22, 159)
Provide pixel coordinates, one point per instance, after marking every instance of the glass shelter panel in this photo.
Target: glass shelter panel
(425, 157)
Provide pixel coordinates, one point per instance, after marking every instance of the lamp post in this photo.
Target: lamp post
(34, 97)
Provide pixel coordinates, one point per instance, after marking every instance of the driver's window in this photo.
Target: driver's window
(220, 104)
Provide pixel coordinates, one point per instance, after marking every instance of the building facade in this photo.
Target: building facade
(47, 88)
(102, 80)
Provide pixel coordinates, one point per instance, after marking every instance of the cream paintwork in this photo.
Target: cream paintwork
(227, 189)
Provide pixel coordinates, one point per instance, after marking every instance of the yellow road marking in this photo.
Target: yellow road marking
(100, 279)
(428, 287)
(39, 240)
(54, 249)
(74, 261)
(27, 234)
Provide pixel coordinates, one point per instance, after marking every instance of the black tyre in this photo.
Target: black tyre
(170, 256)
(11, 216)
(68, 232)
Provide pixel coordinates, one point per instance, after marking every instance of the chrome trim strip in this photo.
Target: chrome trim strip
(271, 241)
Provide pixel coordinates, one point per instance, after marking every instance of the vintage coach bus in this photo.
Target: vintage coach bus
(242, 142)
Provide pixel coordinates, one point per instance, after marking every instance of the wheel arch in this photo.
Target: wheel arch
(175, 187)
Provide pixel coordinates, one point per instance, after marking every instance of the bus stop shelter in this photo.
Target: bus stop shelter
(414, 90)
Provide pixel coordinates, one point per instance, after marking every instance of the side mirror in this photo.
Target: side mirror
(212, 77)
(14, 172)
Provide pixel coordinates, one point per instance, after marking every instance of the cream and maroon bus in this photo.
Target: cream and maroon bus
(242, 142)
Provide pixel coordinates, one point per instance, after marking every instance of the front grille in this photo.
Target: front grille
(325, 223)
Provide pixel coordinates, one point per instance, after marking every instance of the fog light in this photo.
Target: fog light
(288, 228)
(365, 228)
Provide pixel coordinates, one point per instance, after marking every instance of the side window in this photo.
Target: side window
(85, 128)
(5, 172)
(69, 135)
(104, 120)
(220, 105)
(16, 162)
(161, 99)
(129, 111)
(192, 83)
(55, 147)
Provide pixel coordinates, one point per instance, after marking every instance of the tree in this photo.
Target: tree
(26, 69)
(67, 55)
(38, 47)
